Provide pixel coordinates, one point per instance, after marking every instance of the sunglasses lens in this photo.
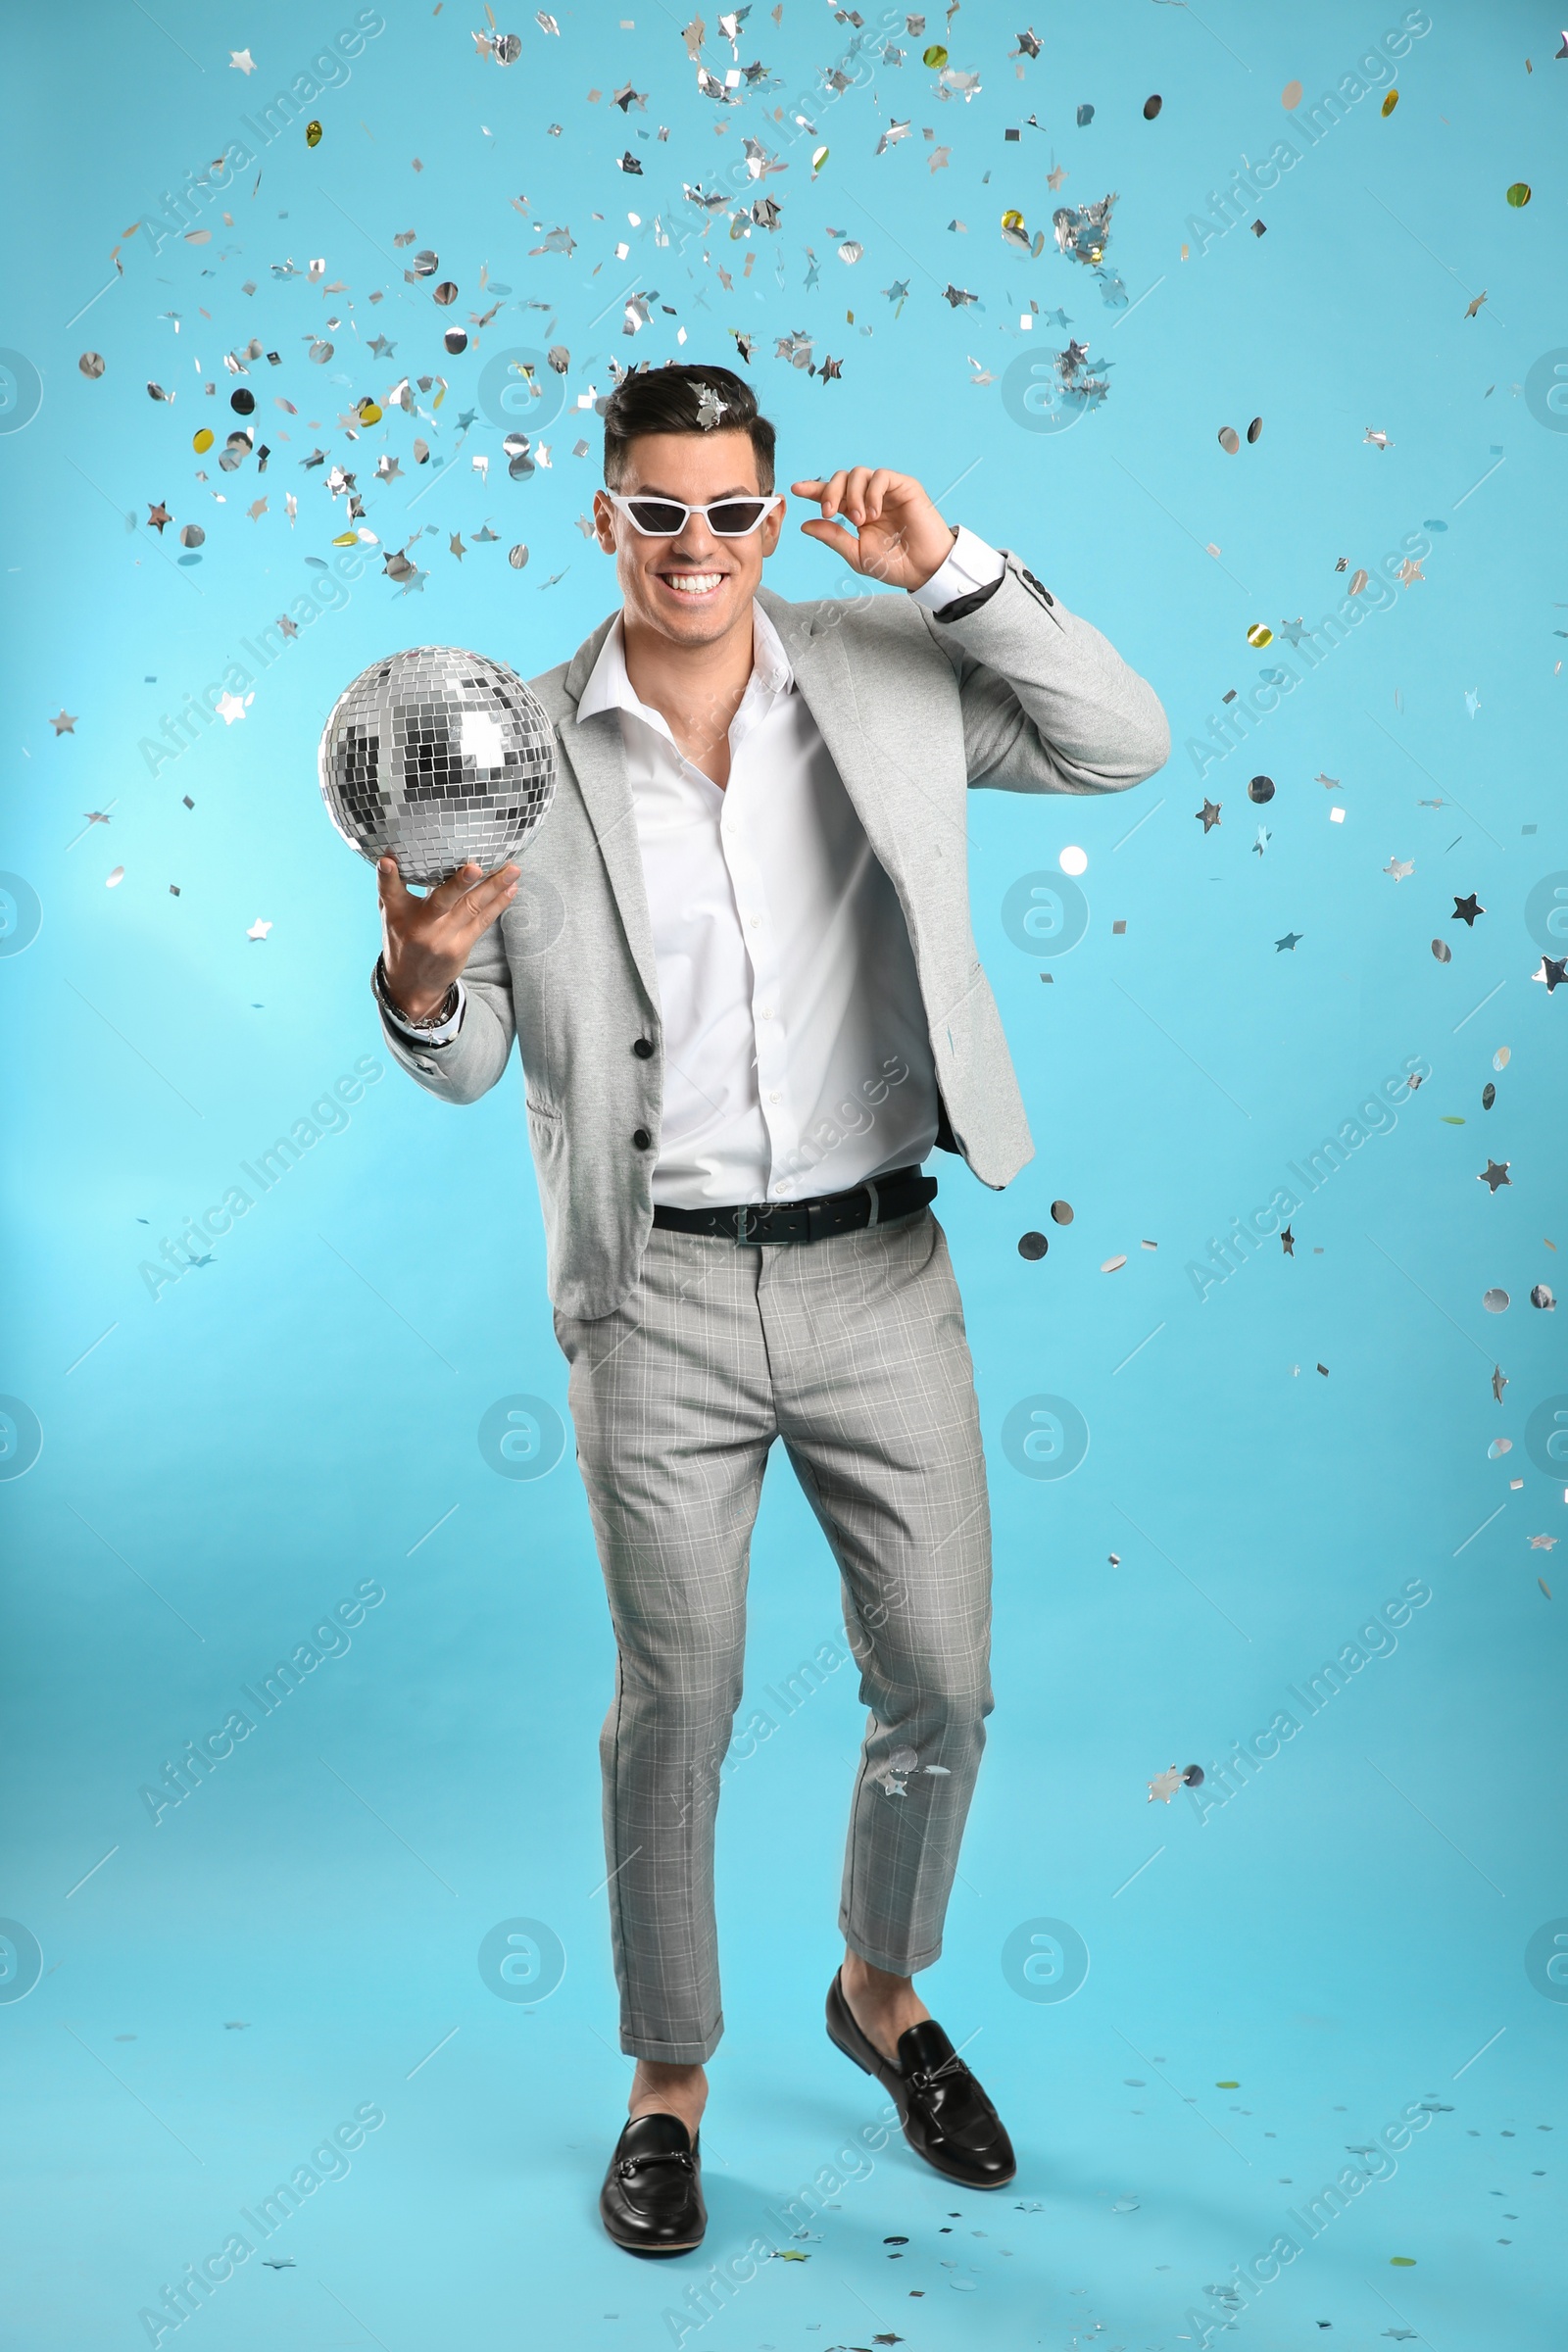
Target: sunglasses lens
(737, 517)
(658, 516)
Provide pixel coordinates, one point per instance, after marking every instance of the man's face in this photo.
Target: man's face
(695, 588)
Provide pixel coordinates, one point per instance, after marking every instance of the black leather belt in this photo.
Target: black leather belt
(877, 1201)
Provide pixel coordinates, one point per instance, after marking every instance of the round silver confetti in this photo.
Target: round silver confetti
(520, 469)
(446, 293)
(437, 757)
(1489, 1096)
(517, 556)
(192, 535)
(1033, 1245)
(516, 445)
(1496, 1303)
(91, 362)
(1442, 950)
(456, 339)
(321, 353)
(1062, 1210)
(1254, 429)
(507, 48)
(1260, 789)
(426, 263)
(1230, 440)
(1540, 1296)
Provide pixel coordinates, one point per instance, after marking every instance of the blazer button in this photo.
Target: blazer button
(641, 1138)
(643, 1048)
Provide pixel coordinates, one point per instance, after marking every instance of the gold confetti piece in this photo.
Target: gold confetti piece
(312, 134)
(1227, 2087)
(1259, 635)
(369, 412)
(1391, 101)
(1402, 2262)
(935, 57)
(346, 539)
(1544, 1587)
(818, 159)
(202, 442)
(1519, 194)
(1290, 96)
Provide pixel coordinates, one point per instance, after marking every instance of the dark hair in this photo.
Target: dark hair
(668, 400)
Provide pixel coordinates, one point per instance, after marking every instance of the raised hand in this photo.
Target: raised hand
(427, 941)
(898, 536)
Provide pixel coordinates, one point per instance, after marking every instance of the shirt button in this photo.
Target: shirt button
(641, 1138)
(783, 1184)
(768, 1012)
(643, 1048)
(753, 920)
(773, 1097)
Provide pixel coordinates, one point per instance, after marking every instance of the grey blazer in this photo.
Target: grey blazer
(1016, 692)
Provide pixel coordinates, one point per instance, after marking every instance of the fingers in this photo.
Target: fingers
(857, 492)
(833, 534)
(391, 888)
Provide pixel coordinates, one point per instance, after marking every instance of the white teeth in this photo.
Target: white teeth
(693, 584)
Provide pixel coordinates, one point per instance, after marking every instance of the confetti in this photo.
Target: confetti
(114, 880)
(1113, 1266)
(936, 56)
(1496, 1303)
(1442, 950)
(1390, 103)
(1230, 440)
(1033, 1245)
(91, 362)
(1519, 194)
(1290, 96)
(1061, 1212)
(1260, 789)
(1151, 107)
(312, 134)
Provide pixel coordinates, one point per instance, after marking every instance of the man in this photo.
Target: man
(738, 962)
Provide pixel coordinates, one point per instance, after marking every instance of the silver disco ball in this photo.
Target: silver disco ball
(435, 756)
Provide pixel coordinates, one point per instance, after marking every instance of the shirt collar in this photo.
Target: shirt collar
(608, 688)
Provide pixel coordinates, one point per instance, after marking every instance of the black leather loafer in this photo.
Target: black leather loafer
(947, 2116)
(652, 2200)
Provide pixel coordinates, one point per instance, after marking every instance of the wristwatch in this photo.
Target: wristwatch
(438, 1019)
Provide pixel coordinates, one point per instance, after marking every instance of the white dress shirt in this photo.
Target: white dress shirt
(797, 1060)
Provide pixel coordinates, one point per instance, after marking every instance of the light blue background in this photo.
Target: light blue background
(220, 1467)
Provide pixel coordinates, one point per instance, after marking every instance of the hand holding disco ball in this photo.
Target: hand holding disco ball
(437, 758)
(437, 765)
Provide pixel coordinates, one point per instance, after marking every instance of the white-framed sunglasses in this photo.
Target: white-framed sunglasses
(664, 517)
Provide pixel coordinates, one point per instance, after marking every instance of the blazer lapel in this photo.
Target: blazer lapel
(815, 648)
(597, 757)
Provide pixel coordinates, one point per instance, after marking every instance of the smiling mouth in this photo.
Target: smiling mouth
(693, 585)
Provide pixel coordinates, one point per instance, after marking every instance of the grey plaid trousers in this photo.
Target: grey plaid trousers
(852, 1350)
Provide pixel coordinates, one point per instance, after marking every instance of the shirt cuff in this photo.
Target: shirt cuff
(431, 1037)
(971, 564)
